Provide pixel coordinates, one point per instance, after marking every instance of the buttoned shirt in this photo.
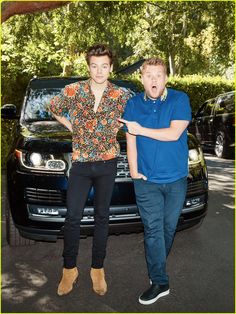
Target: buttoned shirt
(160, 161)
(94, 133)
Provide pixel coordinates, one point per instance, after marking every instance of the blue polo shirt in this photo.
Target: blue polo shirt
(160, 161)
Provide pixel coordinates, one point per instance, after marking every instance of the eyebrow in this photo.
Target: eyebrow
(101, 64)
(147, 72)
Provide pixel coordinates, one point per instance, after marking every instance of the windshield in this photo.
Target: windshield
(37, 103)
(36, 106)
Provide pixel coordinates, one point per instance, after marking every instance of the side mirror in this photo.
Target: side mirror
(9, 111)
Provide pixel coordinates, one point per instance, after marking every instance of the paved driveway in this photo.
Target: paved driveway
(201, 266)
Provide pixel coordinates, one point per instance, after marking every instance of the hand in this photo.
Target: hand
(138, 176)
(133, 127)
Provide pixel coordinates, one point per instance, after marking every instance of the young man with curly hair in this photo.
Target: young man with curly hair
(94, 106)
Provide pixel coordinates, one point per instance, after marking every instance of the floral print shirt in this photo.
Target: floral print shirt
(94, 134)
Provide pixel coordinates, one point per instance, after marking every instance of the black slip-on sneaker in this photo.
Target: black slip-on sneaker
(154, 293)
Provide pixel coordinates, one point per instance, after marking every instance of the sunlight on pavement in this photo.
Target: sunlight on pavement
(23, 285)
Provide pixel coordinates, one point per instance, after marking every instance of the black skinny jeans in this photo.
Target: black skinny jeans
(83, 175)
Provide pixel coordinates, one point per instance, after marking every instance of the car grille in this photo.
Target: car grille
(43, 196)
(196, 188)
(122, 166)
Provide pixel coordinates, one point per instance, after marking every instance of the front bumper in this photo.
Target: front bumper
(38, 205)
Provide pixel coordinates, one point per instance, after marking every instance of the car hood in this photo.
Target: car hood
(44, 136)
(51, 136)
(40, 129)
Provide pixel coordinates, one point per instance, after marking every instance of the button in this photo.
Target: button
(155, 111)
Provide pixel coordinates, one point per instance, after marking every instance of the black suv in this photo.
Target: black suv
(38, 167)
(214, 124)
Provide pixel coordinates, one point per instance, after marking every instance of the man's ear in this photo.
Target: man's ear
(166, 78)
(141, 79)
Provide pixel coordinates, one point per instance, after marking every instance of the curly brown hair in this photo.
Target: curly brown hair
(99, 50)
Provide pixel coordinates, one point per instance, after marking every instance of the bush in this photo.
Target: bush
(7, 138)
(201, 88)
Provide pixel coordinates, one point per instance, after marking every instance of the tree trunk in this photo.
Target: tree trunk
(172, 64)
(10, 8)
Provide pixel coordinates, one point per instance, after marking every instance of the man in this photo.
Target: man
(94, 106)
(157, 150)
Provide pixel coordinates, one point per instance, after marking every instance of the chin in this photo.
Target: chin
(100, 81)
(155, 96)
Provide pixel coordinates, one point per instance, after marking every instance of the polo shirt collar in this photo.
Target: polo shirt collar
(162, 98)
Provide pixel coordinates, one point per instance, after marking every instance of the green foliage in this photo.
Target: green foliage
(200, 88)
(7, 138)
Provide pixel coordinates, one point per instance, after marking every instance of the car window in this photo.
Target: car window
(206, 109)
(225, 105)
(36, 104)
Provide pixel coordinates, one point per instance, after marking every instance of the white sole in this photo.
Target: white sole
(164, 293)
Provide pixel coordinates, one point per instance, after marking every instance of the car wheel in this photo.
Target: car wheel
(12, 234)
(221, 149)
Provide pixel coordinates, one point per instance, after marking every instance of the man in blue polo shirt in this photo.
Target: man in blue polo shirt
(156, 122)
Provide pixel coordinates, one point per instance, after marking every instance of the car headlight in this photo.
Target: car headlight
(195, 156)
(39, 161)
(36, 159)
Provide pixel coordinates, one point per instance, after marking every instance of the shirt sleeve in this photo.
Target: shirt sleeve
(59, 104)
(182, 109)
(124, 97)
(128, 113)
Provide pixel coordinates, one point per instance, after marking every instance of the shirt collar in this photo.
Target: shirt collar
(162, 98)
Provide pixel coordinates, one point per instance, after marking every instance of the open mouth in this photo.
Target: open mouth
(154, 88)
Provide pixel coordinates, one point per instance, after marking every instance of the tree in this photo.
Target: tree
(10, 8)
(193, 37)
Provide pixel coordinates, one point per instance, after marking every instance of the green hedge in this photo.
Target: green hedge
(201, 88)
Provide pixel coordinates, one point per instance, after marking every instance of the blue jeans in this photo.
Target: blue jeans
(160, 207)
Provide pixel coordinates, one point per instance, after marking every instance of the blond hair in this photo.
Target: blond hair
(153, 61)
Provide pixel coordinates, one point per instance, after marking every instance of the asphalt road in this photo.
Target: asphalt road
(200, 265)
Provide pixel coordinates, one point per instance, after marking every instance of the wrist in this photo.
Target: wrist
(142, 131)
(133, 174)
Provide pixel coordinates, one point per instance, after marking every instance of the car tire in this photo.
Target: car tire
(12, 234)
(221, 149)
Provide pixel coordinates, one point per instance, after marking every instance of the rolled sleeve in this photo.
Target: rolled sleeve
(124, 97)
(59, 104)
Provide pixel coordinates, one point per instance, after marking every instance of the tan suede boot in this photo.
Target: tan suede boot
(69, 277)
(98, 279)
